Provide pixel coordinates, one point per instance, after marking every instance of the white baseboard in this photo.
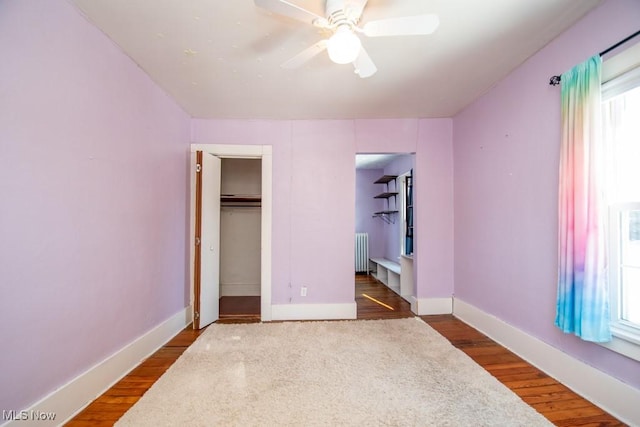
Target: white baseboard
(72, 397)
(612, 395)
(426, 306)
(239, 290)
(313, 311)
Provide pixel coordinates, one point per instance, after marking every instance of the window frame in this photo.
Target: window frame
(625, 335)
(620, 327)
(403, 211)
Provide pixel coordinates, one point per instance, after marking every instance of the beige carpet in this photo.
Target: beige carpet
(365, 373)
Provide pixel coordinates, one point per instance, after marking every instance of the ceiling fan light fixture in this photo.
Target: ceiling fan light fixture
(343, 46)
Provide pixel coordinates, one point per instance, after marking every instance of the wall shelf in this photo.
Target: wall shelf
(388, 215)
(385, 179)
(385, 195)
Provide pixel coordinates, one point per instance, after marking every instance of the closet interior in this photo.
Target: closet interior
(240, 233)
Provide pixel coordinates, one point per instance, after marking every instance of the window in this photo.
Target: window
(621, 131)
(406, 212)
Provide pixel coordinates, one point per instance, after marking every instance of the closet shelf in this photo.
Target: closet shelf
(240, 198)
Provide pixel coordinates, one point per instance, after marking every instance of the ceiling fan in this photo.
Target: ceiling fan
(342, 18)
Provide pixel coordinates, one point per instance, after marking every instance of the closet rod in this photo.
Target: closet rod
(555, 80)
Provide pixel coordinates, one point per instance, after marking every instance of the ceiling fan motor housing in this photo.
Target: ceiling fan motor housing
(336, 15)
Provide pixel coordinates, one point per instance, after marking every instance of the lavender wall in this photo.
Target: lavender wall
(322, 210)
(93, 190)
(433, 212)
(366, 205)
(506, 148)
(314, 183)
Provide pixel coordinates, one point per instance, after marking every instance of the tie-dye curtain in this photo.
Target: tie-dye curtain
(582, 304)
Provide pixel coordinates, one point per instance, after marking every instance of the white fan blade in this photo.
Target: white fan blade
(305, 55)
(407, 26)
(354, 8)
(291, 10)
(332, 6)
(364, 65)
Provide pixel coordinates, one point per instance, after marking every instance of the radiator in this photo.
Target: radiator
(362, 253)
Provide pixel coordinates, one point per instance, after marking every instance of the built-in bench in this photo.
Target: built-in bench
(386, 271)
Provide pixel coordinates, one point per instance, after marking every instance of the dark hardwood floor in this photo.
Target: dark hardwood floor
(374, 301)
(240, 309)
(555, 401)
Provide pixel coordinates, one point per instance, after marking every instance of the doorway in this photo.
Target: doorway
(212, 209)
(384, 215)
(240, 220)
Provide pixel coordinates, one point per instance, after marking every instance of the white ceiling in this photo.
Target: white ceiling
(221, 58)
(375, 161)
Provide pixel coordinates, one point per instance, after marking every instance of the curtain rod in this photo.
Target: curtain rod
(555, 80)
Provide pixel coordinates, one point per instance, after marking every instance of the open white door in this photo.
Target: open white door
(207, 240)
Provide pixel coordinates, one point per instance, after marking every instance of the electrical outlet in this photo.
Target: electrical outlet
(303, 291)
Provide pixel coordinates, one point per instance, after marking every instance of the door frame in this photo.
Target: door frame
(414, 273)
(264, 153)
